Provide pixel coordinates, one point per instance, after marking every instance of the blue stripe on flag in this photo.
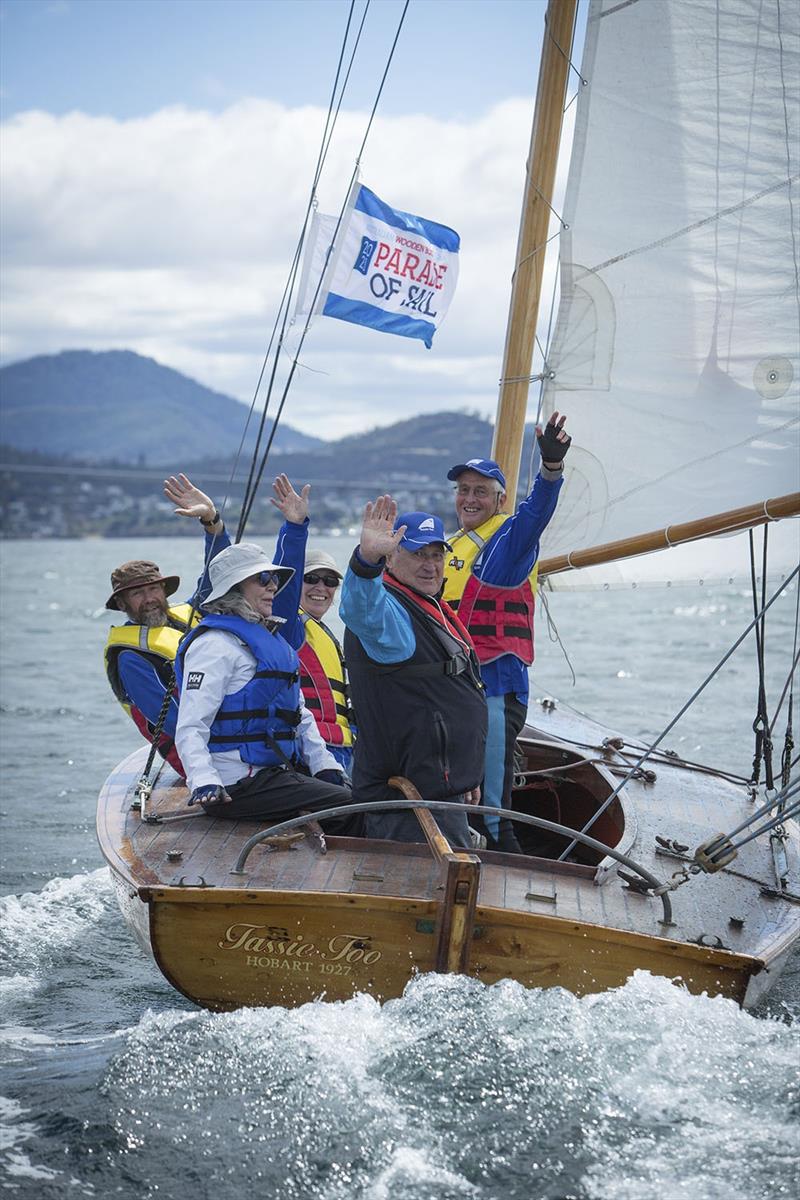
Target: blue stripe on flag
(439, 235)
(377, 318)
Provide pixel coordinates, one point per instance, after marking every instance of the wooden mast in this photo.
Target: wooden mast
(529, 264)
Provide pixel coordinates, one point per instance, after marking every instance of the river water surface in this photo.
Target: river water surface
(114, 1085)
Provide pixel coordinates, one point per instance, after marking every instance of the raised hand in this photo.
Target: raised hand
(378, 536)
(191, 502)
(554, 441)
(293, 507)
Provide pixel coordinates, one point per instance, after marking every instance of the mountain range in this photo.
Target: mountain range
(115, 404)
(86, 438)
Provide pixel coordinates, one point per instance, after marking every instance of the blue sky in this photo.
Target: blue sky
(157, 157)
(127, 58)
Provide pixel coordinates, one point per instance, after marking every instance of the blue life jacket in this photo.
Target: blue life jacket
(260, 719)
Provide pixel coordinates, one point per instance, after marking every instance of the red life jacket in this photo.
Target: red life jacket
(500, 619)
(323, 682)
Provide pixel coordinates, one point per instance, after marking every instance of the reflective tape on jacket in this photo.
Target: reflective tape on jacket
(158, 646)
(499, 619)
(324, 682)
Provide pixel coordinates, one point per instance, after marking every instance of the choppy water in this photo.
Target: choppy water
(116, 1086)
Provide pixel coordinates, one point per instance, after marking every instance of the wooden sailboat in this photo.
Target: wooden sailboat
(613, 878)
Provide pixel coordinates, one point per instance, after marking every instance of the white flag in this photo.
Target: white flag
(388, 269)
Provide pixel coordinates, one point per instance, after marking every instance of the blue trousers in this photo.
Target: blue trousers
(506, 719)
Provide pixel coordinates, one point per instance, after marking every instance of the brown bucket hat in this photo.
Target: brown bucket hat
(137, 573)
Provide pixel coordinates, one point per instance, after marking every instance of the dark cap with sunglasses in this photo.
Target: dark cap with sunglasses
(321, 568)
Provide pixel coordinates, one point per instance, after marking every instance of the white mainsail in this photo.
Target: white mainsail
(676, 350)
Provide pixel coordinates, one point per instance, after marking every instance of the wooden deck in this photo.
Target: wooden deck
(366, 915)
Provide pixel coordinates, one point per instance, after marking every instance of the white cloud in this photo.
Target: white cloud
(171, 235)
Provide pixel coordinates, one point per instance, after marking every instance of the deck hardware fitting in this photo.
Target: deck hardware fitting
(367, 878)
(634, 883)
(709, 941)
(174, 856)
(736, 922)
(671, 844)
(714, 854)
(547, 899)
(284, 841)
(200, 882)
(548, 705)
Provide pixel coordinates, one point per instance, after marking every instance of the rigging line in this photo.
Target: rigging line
(763, 744)
(788, 142)
(792, 811)
(775, 802)
(567, 57)
(678, 715)
(679, 233)
(551, 625)
(542, 245)
(312, 305)
(327, 135)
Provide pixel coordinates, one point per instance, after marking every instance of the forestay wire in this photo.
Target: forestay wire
(282, 314)
(247, 507)
(144, 785)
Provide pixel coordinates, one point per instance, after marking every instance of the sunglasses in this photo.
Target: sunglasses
(331, 581)
(269, 578)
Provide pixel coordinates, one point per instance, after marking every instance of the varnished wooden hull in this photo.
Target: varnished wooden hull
(224, 950)
(367, 916)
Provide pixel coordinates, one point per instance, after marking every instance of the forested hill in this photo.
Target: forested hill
(119, 405)
(72, 463)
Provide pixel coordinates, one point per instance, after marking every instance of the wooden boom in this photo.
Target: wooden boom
(733, 521)
(529, 266)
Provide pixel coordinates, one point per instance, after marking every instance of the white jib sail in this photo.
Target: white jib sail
(676, 351)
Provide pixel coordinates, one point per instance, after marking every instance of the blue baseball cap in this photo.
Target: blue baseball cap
(421, 530)
(484, 466)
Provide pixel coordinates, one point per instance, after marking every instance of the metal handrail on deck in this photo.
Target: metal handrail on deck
(456, 806)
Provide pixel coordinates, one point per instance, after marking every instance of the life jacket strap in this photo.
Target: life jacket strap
(291, 716)
(452, 666)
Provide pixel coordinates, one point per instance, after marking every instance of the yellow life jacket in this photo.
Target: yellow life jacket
(159, 645)
(324, 684)
(499, 619)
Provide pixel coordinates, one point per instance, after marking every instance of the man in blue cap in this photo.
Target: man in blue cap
(490, 580)
(414, 675)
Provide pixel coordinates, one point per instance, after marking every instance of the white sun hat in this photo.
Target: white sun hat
(318, 560)
(239, 562)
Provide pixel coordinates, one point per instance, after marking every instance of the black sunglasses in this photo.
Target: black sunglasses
(331, 581)
(268, 578)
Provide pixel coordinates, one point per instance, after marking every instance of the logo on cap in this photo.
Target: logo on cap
(429, 524)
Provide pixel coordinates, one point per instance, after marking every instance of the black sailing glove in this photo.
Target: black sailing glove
(552, 449)
(209, 793)
(337, 777)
